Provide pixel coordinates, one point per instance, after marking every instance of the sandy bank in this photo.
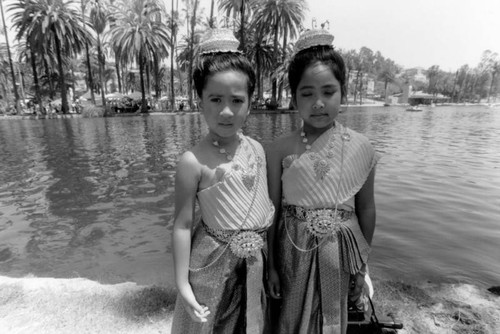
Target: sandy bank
(48, 305)
(59, 306)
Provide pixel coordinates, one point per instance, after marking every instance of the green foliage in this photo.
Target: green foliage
(142, 36)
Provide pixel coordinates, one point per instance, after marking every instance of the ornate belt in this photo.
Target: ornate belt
(320, 222)
(340, 247)
(243, 243)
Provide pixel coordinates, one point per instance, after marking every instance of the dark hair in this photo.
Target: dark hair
(323, 54)
(220, 62)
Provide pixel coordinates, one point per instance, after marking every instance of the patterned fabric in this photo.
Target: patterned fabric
(314, 270)
(231, 286)
(303, 187)
(226, 204)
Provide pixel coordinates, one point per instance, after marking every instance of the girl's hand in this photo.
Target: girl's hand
(273, 284)
(198, 313)
(358, 281)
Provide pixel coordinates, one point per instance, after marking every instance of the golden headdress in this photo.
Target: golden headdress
(217, 41)
(313, 37)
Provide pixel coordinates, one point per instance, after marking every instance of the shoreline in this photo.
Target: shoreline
(79, 305)
(371, 104)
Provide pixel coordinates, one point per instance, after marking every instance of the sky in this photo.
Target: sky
(422, 33)
(419, 33)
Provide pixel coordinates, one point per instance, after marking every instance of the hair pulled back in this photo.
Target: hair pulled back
(323, 54)
(210, 64)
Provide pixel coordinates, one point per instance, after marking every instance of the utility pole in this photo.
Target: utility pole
(16, 95)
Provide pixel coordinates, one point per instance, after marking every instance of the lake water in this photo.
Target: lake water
(94, 197)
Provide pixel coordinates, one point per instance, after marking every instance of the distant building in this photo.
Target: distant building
(420, 76)
(424, 98)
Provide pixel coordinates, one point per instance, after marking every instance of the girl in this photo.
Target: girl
(321, 178)
(218, 261)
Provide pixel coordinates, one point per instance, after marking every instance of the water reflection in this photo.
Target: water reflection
(94, 197)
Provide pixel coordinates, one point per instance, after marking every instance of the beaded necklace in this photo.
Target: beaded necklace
(224, 151)
(331, 142)
(321, 164)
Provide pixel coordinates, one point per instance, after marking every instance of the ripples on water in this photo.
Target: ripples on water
(94, 197)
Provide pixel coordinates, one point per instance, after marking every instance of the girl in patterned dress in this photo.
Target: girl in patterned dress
(219, 260)
(321, 180)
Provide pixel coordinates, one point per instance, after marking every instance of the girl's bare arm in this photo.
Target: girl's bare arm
(187, 178)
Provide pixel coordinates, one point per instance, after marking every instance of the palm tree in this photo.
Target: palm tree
(260, 53)
(281, 16)
(90, 80)
(387, 74)
(56, 23)
(174, 17)
(98, 19)
(350, 57)
(4, 73)
(16, 95)
(211, 23)
(23, 23)
(243, 8)
(191, 42)
(137, 35)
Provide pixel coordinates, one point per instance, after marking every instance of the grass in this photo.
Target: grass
(78, 305)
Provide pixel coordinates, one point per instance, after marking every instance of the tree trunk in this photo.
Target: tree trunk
(386, 83)
(361, 91)
(90, 80)
(148, 79)
(191, 56)
(211, 19)
(38, 97)
(273, 79)
(118, 74)
(242, 26)
(356, 83)
(62, 83)
(100, 58)
(347, 86)
(16, 95)
(144, 106)
(280, 91)
(258, 73)
(172, 48)
(48, 74)
(156, 64)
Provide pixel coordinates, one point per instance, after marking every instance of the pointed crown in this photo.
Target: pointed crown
(313, 37)
(218, 40)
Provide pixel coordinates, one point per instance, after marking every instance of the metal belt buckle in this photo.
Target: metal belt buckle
(321, 223)
(246, 244)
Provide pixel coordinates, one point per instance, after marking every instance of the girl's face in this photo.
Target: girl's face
(225, 103)
(318, 96)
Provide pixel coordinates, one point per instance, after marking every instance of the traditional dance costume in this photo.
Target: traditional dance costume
(227, 263)
(321, 240)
